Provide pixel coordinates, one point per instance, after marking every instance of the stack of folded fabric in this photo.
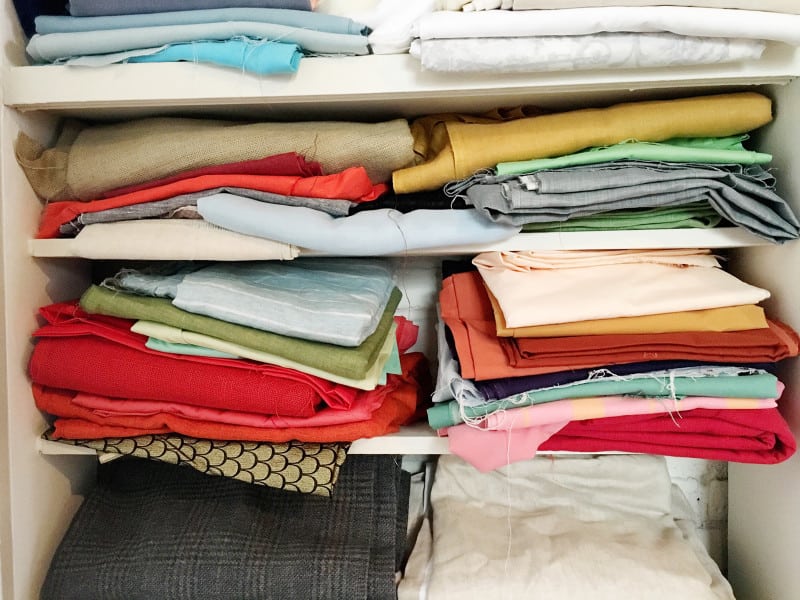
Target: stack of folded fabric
(656, 351)
(150, 531)
(640, 165)
(262, 37)
(595, 37)
(268, 353)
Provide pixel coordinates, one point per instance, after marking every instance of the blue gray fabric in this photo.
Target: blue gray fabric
(152, 530)
(378, 232)
(53, 47)
(744, 195)
(292, 18)
(326, 300)
(93, 8)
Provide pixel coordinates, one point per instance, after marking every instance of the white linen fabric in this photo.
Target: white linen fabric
(700, 22)
(391, 22)
(599, 527)
(177, 239)
(780, 6)
(576, 52)
(532, 291)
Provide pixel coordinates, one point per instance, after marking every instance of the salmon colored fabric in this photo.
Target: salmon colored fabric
(288, 163)
(351, 184)
(467, 311)
(403, 394)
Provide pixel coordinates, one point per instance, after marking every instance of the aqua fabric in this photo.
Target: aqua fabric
(728, 150)
(291, 18)
(250, 56)
(760, 385)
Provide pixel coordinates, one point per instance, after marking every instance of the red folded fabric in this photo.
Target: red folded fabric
(467, 312)
(351, 184)
(100, 355)
(288, 163)
(750, 436)
(402, 395)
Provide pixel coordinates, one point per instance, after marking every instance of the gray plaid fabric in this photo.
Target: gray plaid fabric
(741, 194)
(151, 530)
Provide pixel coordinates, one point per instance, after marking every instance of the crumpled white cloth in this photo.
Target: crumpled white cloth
(576, 52)
(700, 22)
(599, 527)
(391, 22)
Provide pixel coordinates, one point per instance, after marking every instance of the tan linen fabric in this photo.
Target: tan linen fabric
(90, 159)
(783, 6)
(728, 318)
(460, 147)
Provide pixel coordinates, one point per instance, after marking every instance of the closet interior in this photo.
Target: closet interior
(44, 482)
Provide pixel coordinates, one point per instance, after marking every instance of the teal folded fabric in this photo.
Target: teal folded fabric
(347, 362)
(250, 56)
(699, 215)
(727, 150)
(278, 16)
(760, 385)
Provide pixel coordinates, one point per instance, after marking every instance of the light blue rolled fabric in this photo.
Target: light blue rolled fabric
(250, 56)
(57, 46)
(374, 232)
(327, 300)
(291, 18)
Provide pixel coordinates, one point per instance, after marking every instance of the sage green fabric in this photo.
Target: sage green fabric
(762, 385)
(348, 362)
(722, 150)
(697, 215)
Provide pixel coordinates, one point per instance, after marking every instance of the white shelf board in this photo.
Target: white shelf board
(723, 237)
(364, 85)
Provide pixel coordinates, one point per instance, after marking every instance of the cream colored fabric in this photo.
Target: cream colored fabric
(621, 284)
(102, 157)
(783, 6)
(453, 146)
(175, 335)
(571, 527)
(174, 239)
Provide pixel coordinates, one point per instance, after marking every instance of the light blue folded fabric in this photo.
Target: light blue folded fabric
(186, 349)
(375, 232)
(91, 8)
(327, 300)
(291, 18)
(56, 46)
(250, 56)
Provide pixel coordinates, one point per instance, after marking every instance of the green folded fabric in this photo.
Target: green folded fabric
(348, 362)
(726, 150)
(697, 215)
(760, 385)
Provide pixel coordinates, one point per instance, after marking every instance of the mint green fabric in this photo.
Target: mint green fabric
(727, 150)
(188, 349)
(697, 215)
(348, 362)
(762, 385)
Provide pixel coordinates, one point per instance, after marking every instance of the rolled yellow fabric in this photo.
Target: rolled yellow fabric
(728, 318)
(467, 146)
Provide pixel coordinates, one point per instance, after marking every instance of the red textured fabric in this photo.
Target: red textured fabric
(750, 436)
(100, 355)
(288, 163)
(402, 396)
(351, 184)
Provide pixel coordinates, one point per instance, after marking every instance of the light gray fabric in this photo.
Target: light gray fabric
(88, 8)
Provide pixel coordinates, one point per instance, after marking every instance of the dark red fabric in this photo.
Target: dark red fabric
(100, 355)
(350, 184)
(403, 394)
(750, 436)
(288, 163)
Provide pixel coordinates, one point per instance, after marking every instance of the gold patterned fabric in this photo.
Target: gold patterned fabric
(305, 467)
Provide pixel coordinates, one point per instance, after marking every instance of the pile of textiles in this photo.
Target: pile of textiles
(668, 354)
(149, 531)
(261, 371)
(262, 37)
(575, 37)
(573, 527)
(640, 165)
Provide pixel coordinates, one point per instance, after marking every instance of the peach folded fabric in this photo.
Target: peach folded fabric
(460, 147)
